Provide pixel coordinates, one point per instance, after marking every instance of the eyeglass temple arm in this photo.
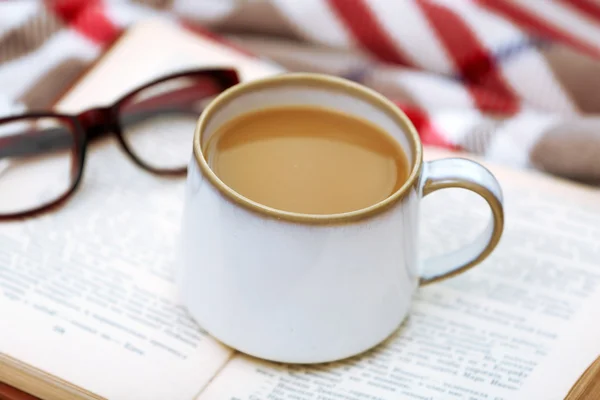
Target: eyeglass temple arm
(49, 140)
(36, 142)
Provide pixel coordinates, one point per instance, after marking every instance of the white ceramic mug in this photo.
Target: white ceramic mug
(306, 288)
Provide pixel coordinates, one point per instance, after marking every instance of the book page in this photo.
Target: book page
(496, 332)
(87, 292)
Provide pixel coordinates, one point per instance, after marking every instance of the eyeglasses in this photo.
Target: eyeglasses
(42, 154)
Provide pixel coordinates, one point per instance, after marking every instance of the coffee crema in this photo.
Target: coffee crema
(307, 159)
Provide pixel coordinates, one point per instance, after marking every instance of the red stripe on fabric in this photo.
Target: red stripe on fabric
(586, 7)
(537, 25)
(88, 18)
(428, 131)
(68, 10)
(366, 29)
(476, 65)
(96, 26)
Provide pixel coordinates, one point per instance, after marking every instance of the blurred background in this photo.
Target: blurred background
(516, 82)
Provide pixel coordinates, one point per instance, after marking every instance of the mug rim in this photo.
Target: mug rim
(310, 79)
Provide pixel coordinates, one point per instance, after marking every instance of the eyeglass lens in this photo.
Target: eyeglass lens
(37, 163)
(157, 123)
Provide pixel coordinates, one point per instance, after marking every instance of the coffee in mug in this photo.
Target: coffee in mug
(306, 159)
(300, 228)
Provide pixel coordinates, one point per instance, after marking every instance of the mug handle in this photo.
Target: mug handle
(464, 174)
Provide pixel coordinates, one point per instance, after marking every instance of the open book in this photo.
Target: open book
(89, 308)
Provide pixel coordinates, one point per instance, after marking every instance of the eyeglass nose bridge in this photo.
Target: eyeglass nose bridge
(97, 121)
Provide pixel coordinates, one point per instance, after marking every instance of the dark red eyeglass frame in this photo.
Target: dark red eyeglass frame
(98, 122)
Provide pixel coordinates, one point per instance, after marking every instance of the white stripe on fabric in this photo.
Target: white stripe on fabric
(566, 19)
(456, 124)
(413, 35)
(521, 65)
(16, 76)
(316, 21)
(490, 29)
(513, 142)
(10, 107)
(125, 14)
(430, 91)
(531, 77)
(15, 13)
(206, 11)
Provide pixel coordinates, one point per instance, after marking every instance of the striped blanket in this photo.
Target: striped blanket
(516, 81)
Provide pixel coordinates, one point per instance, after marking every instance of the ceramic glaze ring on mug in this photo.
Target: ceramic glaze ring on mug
(308, 288)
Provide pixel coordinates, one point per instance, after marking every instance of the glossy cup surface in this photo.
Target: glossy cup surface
(295, 287)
